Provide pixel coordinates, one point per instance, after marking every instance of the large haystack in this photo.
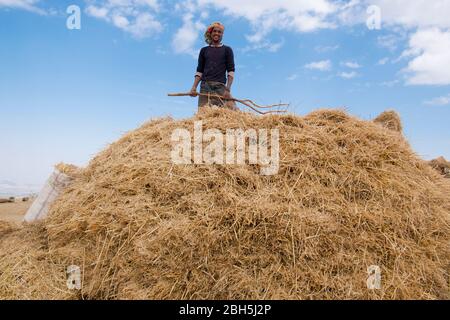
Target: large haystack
(349, 194)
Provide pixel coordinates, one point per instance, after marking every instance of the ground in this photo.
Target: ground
(14, 212)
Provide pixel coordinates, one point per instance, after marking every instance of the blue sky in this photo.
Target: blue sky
(65, 94)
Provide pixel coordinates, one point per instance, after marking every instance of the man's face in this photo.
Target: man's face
(217, 34)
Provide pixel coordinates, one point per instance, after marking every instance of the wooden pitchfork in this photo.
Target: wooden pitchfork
(246, 102)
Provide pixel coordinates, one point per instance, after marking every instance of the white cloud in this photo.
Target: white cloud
(383, 61)
(306, 16)
(430, 53)
(348, 75)
(264, 45)
(351, 64)
(97, 12)
(425, 23)
(324, 49)
(324, 65)
(440, 101)
(409, 14)
(267, 15)
(120, 21)
(186, 37)
(407, 19)
(313, 12)
(274, 46)
(29, 5)
(390, 84)
(390, 41)
(292, 77)
(414, 13)
(145, 24)
(136, 17)
(187, 5)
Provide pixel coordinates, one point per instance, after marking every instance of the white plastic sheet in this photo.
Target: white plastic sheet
(52, 189)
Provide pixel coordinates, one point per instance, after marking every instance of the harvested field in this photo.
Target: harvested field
(349, 194)
(14, 211)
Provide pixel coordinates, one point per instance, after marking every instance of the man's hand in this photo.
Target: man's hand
(193, 92)
(227, 94)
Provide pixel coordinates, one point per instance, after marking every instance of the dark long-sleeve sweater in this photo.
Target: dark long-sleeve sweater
(215, 62)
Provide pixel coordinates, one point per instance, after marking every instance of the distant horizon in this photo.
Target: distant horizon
(12, 189)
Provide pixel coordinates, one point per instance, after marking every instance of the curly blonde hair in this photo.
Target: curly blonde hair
(208, 38)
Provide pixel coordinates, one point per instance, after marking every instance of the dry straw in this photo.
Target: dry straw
(441, 165)
(390, 120)
(349, 194)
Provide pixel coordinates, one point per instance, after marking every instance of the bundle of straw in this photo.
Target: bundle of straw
(441, 165)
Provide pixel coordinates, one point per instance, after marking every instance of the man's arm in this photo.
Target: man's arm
(230, 81)
(198, 75)
(195, 85)
(230, 71)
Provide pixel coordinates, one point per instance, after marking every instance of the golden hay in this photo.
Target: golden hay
(27, 268)
(441, 165)
(349, 194)
(390, 120)
(68, 169)
(6, 227)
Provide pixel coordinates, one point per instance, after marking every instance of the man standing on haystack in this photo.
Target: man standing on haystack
(215, 63)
